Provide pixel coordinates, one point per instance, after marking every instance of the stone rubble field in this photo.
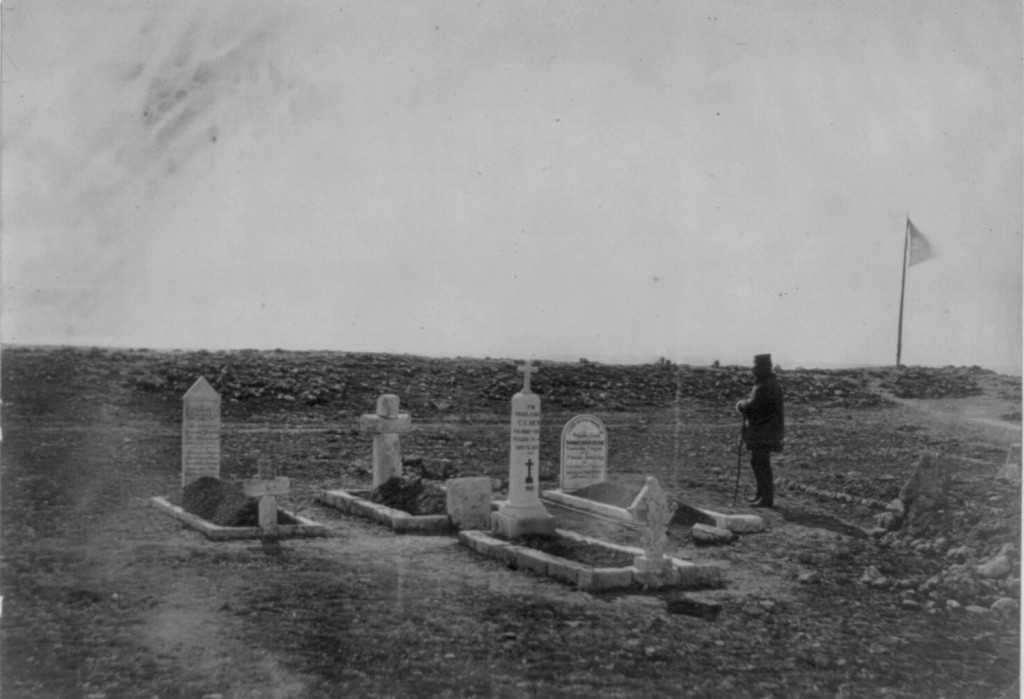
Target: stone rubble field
(880, 574)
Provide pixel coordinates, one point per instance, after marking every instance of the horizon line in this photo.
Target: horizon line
(624, 359)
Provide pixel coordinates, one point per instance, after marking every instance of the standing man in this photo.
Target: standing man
(763, 427)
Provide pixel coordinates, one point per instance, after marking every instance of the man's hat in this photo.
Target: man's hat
(762, 360)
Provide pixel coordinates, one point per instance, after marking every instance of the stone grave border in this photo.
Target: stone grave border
(354, 502)
(738, 524)
(683, 574)
(305, 527)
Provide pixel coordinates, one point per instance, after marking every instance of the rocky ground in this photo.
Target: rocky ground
(851, 592)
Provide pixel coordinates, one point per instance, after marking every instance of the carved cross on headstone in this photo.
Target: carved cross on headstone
(385, 426)
(526, 370)
(267, 487)
(529, 471)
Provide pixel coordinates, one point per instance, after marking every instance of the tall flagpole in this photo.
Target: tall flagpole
(903, 286)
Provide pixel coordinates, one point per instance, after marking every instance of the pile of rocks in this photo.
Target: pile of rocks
(343, 382)
(948, 382)
(963, 581)
(965, 541)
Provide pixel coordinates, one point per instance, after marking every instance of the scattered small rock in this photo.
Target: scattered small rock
(997, 567)
(873, 576)
(1005, 606)
(959, 554)
(693, 607)
(707, 535)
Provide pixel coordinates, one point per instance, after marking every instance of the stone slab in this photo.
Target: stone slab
(599, 509)
(304, 528)
(512, 523)
(682, 574)
(597, 579)
(740, 524)
(468, 502)
(705, 609)
(351, 502)
(706, 535)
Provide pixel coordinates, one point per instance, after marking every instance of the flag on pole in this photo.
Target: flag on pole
(920, 248)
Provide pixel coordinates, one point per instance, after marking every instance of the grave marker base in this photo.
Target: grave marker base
(304, 527)
(354, 502)
(740, 524)
(677, 574)
(513, 522)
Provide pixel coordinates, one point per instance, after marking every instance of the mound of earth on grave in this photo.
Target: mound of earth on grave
(689, 516)
(577, 551)
(412, 495)
(223, 504)
(608, 493)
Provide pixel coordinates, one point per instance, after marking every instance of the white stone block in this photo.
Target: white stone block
(469, 502)
(387, 405)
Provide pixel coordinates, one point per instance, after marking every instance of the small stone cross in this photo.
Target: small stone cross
(529, 471)
(267, 487)
(385, 427)
(526, 370)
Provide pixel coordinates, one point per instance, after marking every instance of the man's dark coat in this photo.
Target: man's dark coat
(765, 425)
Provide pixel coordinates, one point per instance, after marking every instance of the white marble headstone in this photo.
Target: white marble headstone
(468, 502)
(584, 453)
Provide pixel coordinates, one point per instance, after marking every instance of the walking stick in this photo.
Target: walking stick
(739, 462)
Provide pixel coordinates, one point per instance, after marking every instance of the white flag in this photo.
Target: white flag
(919, 247)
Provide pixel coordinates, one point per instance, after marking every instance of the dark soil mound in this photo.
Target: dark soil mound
(578, 551)
(609, 494)
(223, 504)
(411, 495)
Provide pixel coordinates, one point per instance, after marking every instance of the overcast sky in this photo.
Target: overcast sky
(694, 180)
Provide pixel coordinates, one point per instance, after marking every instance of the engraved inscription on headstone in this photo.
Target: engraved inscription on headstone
(524, 454)
(523, 512)
(584, 453)
(200, 433)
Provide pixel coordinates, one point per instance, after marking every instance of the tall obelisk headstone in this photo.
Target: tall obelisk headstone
(523, 512)
(200, 432)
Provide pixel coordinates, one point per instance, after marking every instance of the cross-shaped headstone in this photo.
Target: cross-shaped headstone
(526, 370)
(385, 426)
(267, 487)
